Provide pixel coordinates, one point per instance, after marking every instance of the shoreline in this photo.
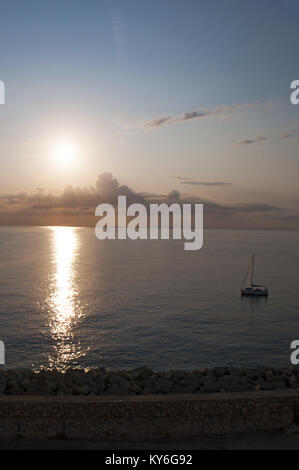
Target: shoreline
(144, 381)
(33, 406)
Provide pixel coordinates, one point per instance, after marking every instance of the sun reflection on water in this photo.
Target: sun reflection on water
(64, 304)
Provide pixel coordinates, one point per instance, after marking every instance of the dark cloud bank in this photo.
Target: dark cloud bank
(76, 206)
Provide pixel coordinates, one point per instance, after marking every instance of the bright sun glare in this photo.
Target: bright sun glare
(64, 153)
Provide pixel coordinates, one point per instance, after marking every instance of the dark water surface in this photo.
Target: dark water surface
(68, 299)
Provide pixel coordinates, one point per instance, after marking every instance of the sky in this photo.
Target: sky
(145, 98)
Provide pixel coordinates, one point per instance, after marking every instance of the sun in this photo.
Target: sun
(64, 153)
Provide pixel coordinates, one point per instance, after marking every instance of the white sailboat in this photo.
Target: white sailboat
(253, 289)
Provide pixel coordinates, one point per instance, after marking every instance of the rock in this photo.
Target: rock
(252, 374)
(115, 389)
(75, 390)
(79, 377)
(262, 371)
(126, 375)
(211, 387)
(266, 386)
(234, 372)
(197, 373)
(99, 386)
(210, 374)
(177, 375)
(220, 371)
(2, 387)
(243, 380)
(251, 387)
(85, 390)
(31, 387)
(142, 380)
(123, 383)
(147, 383)
(141, 372)
(96, 374)
(163, 385)
(147, 391)
(287, 372)
(278, 384)
(53, 386)
(272, 377)
(115, 381)
(12, 388)
(135, 389)
(225, 381)
(291, 381)
(294, 385)
(112, 377)
(191, 384)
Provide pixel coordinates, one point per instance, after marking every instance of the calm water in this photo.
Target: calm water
(68, 299)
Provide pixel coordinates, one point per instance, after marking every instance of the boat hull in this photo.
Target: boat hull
(254, 293)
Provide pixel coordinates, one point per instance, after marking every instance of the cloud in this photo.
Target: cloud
(259, 138)
(206, 183)
(214, 207)
(76, 206)
(174, 196)
(183, 178)
(160, 121)
(119, 28)
(218, 111)
(284, 135)
(189, 181)
(256, 208)
(288, 134)
(106, 189)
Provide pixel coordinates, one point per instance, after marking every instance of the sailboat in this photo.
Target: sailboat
(254, 289)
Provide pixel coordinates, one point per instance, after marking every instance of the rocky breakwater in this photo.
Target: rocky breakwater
(144, 381)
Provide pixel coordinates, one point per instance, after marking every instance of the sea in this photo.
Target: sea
(68, 299)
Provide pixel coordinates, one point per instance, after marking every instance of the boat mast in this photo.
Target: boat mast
(252, 266)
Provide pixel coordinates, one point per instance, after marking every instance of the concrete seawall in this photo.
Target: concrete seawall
(146, 417)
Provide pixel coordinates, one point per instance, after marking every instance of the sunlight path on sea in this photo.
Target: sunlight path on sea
(65, 310)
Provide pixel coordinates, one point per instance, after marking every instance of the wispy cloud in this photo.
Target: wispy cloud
(206, 183)
(290, 133)
(192, 182)
(283, 135)
(218, 111)
(181, 178)
(118, 29)
(259, 138)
